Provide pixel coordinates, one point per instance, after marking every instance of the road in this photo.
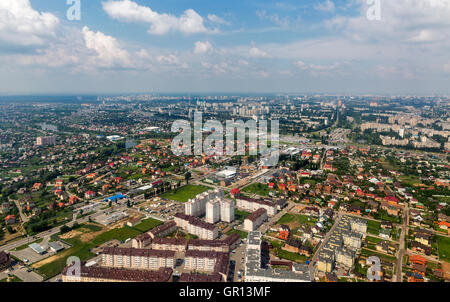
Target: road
(325, 239)
(401, 250)
(22, 216)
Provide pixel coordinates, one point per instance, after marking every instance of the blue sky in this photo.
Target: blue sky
(324, 46)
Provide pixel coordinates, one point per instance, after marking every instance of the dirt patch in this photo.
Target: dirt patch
(90, 236)
(71, 234)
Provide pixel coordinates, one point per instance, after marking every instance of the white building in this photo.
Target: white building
(226, 210)
(197, 205)
(254, 220)
(212, 211)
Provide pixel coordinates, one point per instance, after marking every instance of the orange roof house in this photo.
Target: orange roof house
(417, 259)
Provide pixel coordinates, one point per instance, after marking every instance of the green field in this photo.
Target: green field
(373, 227)
(296, 220)
(444, 248)
(147, 224)
(258, 189)
(82, 249)
(185, 193)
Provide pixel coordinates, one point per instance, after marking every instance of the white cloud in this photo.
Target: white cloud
(257, 53)
(20, 24)
(109, 52)
(202, 47)
(190, 22)
(216, 19)
(327, 6)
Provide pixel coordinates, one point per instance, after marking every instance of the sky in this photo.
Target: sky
(232, 46)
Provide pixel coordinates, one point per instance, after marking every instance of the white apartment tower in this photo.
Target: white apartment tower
(226, 210)
(213, 211)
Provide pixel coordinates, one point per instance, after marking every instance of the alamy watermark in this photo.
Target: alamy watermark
(236, 134)
(74, 11)
(374, 10)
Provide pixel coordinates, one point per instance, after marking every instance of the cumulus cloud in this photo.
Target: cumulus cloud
(190, 22)
(257, 53)
(202, 47)
(20, 24)
(109, 52)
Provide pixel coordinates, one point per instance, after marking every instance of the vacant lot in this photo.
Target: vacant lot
(185, 193)
(294, 220)
(258, 189)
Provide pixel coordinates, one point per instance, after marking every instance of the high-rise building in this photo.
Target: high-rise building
(213, 211)
(46, 140)
(226, 210)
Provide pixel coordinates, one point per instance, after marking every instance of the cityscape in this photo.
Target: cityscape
(265, 186)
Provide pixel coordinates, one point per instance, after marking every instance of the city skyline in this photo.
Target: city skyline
(250, 47)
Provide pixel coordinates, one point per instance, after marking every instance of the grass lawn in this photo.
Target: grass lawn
(12, 279)
(444, 248)
(147, 224)
(374, 240)
(185, 193)
(369, 253)
(294, 221)
(291, 256)
(258, 189)
(82, 249)
(240, 215)
(373, 227)
(242, 234)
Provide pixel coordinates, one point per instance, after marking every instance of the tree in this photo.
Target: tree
(64, 229)
(187, 176)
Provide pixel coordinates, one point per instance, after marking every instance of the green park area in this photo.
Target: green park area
(185, 193)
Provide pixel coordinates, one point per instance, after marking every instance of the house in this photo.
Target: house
(312, 211)
(385, 247)
(10, 219)
(385, 233)
(37, 186)
(419, 247)
(387, 225)
(423, 236)
(444, 225)
(89, 194)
